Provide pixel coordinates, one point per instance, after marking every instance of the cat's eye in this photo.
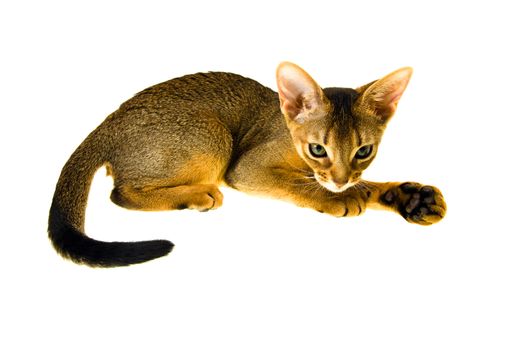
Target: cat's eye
(317, 150)
(364, 152)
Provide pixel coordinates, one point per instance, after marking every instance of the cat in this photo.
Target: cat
(172, 145)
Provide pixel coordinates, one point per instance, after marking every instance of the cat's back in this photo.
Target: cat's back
(198, 103)
(212, 89)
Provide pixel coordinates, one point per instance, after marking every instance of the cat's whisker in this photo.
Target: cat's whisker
(309, 182)
(310, 185)
(362, 186)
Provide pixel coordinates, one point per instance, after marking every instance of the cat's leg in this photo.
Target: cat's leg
(295, 183)
(193, 184)
(201, 197)
(303, 191)
(171, 167)
(415, 202)
(287, 178)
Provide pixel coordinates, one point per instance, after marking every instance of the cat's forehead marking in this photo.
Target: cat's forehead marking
(342, 121)
(326, 135)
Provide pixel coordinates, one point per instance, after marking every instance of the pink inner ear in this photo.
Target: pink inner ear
(388, 94)
(292, 89)
(392, 92)
(297, 90)
(395, 96)
(390, 101)
(291, 109)
(290, 101)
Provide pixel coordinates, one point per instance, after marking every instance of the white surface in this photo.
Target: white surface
(261, 274)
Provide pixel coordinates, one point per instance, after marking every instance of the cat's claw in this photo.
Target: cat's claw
(416, 203)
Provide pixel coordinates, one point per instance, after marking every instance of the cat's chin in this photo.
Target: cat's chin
(333, 188)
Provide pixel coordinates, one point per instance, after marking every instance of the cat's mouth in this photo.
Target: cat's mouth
(333, 187)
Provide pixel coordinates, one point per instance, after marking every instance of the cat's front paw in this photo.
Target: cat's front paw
(343, 207)
(419, 204)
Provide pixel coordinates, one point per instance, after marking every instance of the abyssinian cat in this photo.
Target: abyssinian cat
(172, 145)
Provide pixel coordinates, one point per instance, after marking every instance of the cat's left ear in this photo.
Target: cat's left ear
(382, 96)
(300, 96)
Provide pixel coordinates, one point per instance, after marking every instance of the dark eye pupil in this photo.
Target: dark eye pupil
(317, 150)
(363, 152)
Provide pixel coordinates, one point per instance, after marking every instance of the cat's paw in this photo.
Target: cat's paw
(419, 204)
(344, 207)
(201, 198)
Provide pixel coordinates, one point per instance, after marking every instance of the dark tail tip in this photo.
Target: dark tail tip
(84, 250)
(75, 245)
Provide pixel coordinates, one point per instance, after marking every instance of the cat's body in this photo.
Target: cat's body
(172, 145)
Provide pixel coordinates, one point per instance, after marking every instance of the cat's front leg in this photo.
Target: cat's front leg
(416, 203)
(294, 185)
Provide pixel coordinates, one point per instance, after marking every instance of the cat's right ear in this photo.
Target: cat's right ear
(300, 96)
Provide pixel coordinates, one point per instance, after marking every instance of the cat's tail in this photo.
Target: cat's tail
(66, 217)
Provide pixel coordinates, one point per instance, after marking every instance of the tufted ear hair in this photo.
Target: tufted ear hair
(382, 96)
(299, 94)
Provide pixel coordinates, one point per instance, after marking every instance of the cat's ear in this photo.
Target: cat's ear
(299, 94)
(381, 97)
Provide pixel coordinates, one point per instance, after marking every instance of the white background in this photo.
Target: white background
(258, 273)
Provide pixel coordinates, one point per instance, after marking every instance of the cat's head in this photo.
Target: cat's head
(337, 130)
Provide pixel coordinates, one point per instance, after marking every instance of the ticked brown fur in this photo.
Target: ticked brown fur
(174, 144)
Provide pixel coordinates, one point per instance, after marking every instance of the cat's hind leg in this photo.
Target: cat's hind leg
(193, 184)
(172, 168)
(202, 197)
